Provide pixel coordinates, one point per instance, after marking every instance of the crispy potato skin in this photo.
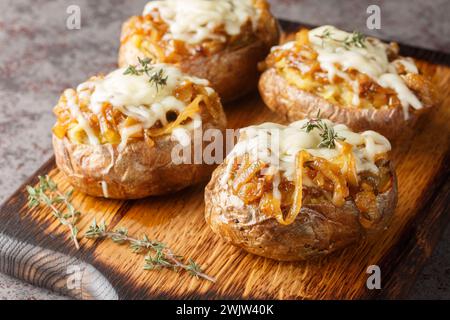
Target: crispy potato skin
(294, 104)
(233, 73)
(318, 230)
(137, 171)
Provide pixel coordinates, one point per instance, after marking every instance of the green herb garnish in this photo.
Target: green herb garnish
(327, 133)
(156, 78)
(326, 34)
(47, 193)
(159, 79)
(157, 256)
(356, 39)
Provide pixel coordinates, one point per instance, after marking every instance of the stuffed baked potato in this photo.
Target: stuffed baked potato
(300, 191)
(221, 40)
(352, 79)
(115, 135)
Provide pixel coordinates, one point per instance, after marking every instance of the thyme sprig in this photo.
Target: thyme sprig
(157, 256)
(326, 34)
(156, 78)
(327, 133)
(356, 39)
(47, 193)
(142, 68)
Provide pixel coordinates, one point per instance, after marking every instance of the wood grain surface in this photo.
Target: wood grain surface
(36, 248)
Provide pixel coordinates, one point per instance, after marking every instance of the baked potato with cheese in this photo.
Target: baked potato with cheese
(350, 78)
(302, 191)
(128, 135)
(221, 40)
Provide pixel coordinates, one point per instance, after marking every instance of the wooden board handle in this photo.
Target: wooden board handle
(53, 270)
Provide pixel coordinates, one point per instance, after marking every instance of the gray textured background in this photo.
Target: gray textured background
(39, 57)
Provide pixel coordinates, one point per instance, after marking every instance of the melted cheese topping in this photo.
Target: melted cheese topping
(371, 60)
(105, 189)
(278, 146)
(194, 21)
(83, 123)
(133, 91)
(181, 135)
(134, 96)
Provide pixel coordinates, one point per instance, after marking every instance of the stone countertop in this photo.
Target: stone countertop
(40, 57)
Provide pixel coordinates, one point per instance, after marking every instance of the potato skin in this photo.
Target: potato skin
(294, 104)
(232, 72)
(137, 171)
(318, 230)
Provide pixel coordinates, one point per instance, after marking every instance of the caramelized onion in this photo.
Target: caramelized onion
(336, 178)
(247, 174)
(332, 173)
(296, 205)
(271, 206)
(187, 113)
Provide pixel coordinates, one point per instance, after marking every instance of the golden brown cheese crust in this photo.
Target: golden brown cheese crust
(295, 104)
(319, 229)
(231, 71)
(138, 170)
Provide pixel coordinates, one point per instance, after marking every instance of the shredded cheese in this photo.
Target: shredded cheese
(274, 150)
(83, 123)
(278, 146)
(182, 136)
(121, 90)
(194, 21)
(371, 59)
(135, 97)
(105, 189)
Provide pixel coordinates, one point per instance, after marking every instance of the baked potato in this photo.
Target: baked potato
(221, 40)
(302, 191)
(116, 136)
(350, 78)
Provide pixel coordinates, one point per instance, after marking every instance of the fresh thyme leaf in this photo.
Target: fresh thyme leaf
(157, 78)
(120, 235)
(356, 39)
(95, 230)
(157, 260)
(326, 34)
(46, 193)
(157, 254)
(144, 66)
(69, 194)
(136, 247)
(328, 138)
(51, 184)
(193, 268)
(145, 62)
(131, 70)
(74, 232)
(314, 123)
(327, 133)
(31, 191)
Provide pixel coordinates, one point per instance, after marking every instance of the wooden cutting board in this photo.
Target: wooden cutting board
(36, 248)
